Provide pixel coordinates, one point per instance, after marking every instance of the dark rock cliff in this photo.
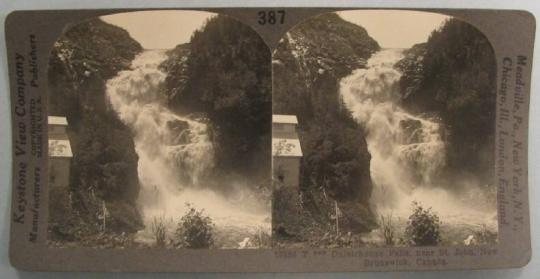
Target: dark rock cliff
(224, 73)
(104, 163)
(307, 67)
(454, 75)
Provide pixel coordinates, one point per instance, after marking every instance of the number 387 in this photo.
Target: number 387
(271, 17)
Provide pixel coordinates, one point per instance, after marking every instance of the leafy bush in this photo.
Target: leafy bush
(423, 227)
(195, 230)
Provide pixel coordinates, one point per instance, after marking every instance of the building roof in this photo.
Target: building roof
(57, 120)
(286, 119)
(282, 147)
(59, 148)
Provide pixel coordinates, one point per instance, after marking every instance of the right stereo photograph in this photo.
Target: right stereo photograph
(383, 132)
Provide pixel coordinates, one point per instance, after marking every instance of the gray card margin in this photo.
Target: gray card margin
(515, 256)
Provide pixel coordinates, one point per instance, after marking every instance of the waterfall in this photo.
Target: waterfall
(164, 141)
(175, 152)
(407, 151)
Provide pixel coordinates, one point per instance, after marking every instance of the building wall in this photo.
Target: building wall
(287, 171)
(57, 132)
(282, 130)
(59, 172)
(59, 193)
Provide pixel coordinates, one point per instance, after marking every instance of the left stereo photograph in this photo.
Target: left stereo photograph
(159, 133)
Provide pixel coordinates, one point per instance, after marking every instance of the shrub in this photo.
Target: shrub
(423, 227)
(159, 230)
(195, 230)
(387, 229)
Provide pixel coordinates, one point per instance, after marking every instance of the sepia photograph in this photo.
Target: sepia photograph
(160, 133)
(269, 139)
(384, 132)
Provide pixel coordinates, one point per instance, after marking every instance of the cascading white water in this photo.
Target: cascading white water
(407, 151)
(175, 153)
(163, 140)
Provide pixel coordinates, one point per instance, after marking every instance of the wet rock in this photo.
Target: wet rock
(411, 129)
(177, 125)
(180, 131)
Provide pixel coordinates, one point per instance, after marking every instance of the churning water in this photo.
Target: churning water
(408, 151)
(175, 156)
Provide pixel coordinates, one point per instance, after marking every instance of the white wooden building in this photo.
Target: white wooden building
(57, 126)
(60, 153)
(286, 150)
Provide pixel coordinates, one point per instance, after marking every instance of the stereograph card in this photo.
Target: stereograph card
(269, 139)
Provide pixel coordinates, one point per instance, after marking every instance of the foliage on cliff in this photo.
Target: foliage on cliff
(85, 52)
(412, 69)
(320, 50)
(228, 77)
(104, 163)
(307, 67)
(454, 75)
(176, 67)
